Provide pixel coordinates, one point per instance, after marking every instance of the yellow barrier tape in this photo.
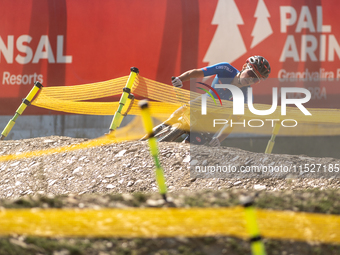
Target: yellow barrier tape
(299, 226)
(120, 135)
(71, 99)
(100, 108)
(152, 222)
(105, 108)
(86, 91)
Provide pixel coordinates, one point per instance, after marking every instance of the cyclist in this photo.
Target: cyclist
(255, 69)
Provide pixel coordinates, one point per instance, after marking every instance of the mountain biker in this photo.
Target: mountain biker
(255, 69)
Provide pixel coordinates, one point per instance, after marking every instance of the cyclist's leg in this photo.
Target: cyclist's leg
(175, 116)
(225, 131)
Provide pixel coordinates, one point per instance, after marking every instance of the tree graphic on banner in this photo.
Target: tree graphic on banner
(227, 44)
(262, 28)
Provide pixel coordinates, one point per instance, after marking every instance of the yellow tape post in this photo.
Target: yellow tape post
(118, 117)
(256, 244)
(271, 142)
(148, 126)
(26, 102)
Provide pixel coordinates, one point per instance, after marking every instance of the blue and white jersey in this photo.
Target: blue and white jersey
(225, 73)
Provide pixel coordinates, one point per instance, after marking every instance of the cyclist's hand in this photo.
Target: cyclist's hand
(176, 82)
(215, 142)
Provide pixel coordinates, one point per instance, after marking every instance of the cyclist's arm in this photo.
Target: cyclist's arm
(194, 73)
(208, 71)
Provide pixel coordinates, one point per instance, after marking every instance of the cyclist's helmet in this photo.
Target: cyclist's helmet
(260, 65)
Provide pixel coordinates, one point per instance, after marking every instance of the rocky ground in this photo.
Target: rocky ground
(128, 167)
(99, 176)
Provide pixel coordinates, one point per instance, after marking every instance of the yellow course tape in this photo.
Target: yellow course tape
(119, 135)
(72, 99)
(151, 222)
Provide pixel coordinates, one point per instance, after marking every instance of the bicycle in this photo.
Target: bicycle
(184, 125)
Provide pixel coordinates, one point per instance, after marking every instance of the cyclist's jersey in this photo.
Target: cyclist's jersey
(225, 73)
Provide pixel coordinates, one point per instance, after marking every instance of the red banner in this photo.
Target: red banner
(61, 42)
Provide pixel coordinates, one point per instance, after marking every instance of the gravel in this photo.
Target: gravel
(128, 167)
(122, 175)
